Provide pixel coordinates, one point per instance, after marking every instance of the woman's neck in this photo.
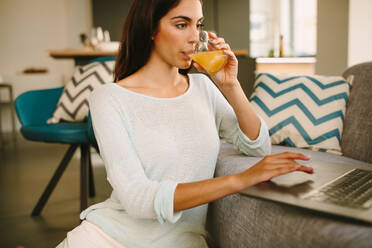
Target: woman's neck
(158, 74)
(157, 79)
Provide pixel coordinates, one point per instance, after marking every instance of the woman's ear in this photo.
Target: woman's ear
(153, 35)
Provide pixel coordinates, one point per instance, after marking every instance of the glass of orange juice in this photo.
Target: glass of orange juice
(211, 61)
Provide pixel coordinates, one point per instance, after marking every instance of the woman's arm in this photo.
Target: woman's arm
(189, 195)
(227, 82)
(150, 199)
(248, 120)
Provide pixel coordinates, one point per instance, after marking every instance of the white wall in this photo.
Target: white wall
(28, 29)
(360, 31)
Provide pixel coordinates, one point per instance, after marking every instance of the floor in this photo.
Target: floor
(25, 169)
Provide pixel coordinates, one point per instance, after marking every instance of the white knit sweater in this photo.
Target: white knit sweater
(149, 145)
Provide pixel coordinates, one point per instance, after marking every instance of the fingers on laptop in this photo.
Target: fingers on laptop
(293, 164)
(292, 155)
(286, 162)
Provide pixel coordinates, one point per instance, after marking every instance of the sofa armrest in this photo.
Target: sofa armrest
(356, 139)
(243, 221)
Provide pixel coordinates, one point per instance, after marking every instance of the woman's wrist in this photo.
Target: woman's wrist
(229, 88)
(241, 181)
(235, 96)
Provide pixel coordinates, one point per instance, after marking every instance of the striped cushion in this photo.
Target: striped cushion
(302, 111)
(73, 103)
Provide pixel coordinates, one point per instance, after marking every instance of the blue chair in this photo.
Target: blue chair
(33, 108)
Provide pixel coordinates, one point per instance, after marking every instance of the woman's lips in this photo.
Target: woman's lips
(187, 54)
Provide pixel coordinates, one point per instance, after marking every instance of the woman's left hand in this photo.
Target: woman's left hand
(227, 76)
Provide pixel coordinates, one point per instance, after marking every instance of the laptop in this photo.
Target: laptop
(338, 189)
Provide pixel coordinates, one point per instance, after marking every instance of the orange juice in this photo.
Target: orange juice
(211, 61)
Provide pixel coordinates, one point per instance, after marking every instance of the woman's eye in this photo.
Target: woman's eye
(200, 26)
(181, 25)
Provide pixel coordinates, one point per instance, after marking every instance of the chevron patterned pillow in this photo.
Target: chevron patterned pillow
(73, 103)
(302, 111)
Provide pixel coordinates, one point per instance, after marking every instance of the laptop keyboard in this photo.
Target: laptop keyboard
(353, 189)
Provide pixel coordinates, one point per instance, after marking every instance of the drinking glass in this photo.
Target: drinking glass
(211, 61)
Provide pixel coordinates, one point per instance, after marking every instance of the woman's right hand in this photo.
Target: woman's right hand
(273, 165)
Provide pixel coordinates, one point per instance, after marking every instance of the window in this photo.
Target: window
(293, 21)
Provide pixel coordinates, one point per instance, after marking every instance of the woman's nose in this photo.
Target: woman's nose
(194, 35)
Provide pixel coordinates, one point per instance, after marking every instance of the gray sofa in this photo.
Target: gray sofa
(243, 221)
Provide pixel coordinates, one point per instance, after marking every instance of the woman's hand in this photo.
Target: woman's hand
(189, 195)
(272, 166)
(227, 76)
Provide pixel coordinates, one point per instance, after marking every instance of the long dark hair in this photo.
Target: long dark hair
(136, 43)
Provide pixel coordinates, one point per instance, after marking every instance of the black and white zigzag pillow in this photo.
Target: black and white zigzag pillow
(73, 103)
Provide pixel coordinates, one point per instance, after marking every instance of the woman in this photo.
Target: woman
(158, 130)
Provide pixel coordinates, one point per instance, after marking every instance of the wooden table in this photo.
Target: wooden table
(83, 56)
(80, 56)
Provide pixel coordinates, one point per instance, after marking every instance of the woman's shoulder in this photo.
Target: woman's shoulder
(105, 92)
(198, 77)
(203, 82)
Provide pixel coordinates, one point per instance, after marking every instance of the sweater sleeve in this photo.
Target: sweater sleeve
(229, 130)
(137, 194)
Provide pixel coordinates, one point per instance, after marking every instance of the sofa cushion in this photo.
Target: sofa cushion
(73, 103)
(302, 111)
(357, 137)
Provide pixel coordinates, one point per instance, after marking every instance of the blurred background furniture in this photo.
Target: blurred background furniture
(7, 103)
(33, 109)
(242, 221)
(80, 56)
